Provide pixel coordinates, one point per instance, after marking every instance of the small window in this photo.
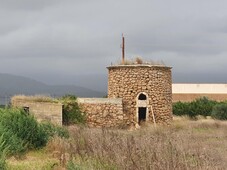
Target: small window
(142, 97)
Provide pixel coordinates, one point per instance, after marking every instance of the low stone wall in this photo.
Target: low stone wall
(42, 111)
(103, 112)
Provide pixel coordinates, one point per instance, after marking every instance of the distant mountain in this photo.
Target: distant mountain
(11, 85)
(97, 82)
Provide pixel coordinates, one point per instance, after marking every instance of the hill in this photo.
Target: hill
(11, 85)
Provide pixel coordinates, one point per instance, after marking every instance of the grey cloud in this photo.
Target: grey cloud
(27, 4)
(44, 38)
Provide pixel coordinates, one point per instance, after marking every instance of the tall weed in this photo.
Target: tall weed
(144, 149)
(3, 152)
(14, 145)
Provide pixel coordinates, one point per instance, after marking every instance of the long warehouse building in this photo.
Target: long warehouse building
(190, 92)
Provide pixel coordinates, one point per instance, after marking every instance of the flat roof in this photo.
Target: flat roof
(187, 88)
(138, 65)
(100, 100)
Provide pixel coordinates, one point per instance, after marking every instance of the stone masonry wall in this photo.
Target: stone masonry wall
(102, 112)
(42, 111)
(128, 81)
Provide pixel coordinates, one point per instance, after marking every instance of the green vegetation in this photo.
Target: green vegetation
(3, 152)
(220, 111)
(35, 159)
(54, 130)
(21, 132)
(177, 146)
(202, 106)
(71, 111)
(185, 144)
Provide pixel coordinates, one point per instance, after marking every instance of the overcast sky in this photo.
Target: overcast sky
(56, 40)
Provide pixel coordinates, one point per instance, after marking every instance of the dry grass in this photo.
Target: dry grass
(139, 61)
(33, 160)
(35, 98)
(185, 144)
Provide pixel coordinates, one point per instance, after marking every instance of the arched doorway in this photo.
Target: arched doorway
(142, 107)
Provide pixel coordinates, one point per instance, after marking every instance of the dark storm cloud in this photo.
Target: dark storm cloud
(73, 37)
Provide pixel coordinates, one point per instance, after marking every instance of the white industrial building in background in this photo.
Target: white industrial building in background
(189, 92)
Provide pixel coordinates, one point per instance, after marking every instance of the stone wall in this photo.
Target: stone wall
(42, 111)
(103, 112)
(129, 81)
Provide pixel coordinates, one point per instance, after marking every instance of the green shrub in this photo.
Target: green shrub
(14, 145)
(180, 108)
(23, 126)
(54, 130)
(202, 106)
(220, 111)
(20, 132)
(71, 111)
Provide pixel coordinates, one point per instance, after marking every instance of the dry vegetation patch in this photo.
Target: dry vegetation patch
(36, 98)
(185, 144)
(140, 61)
(33, 160)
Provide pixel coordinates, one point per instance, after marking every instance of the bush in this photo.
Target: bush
(14, 145)
(202, 106)
(20, 132)
(220, 111)
(71, 111)
(24, 127)
(53, 130)
(180, 108)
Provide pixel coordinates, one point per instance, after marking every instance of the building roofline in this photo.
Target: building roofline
(138, 65)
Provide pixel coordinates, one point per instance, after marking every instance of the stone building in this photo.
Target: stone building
(146, 91)
(42, 108)
(136, 93)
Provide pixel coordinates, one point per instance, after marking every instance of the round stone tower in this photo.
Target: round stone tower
(146, 92)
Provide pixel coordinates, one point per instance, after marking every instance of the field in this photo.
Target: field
(186, 144)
